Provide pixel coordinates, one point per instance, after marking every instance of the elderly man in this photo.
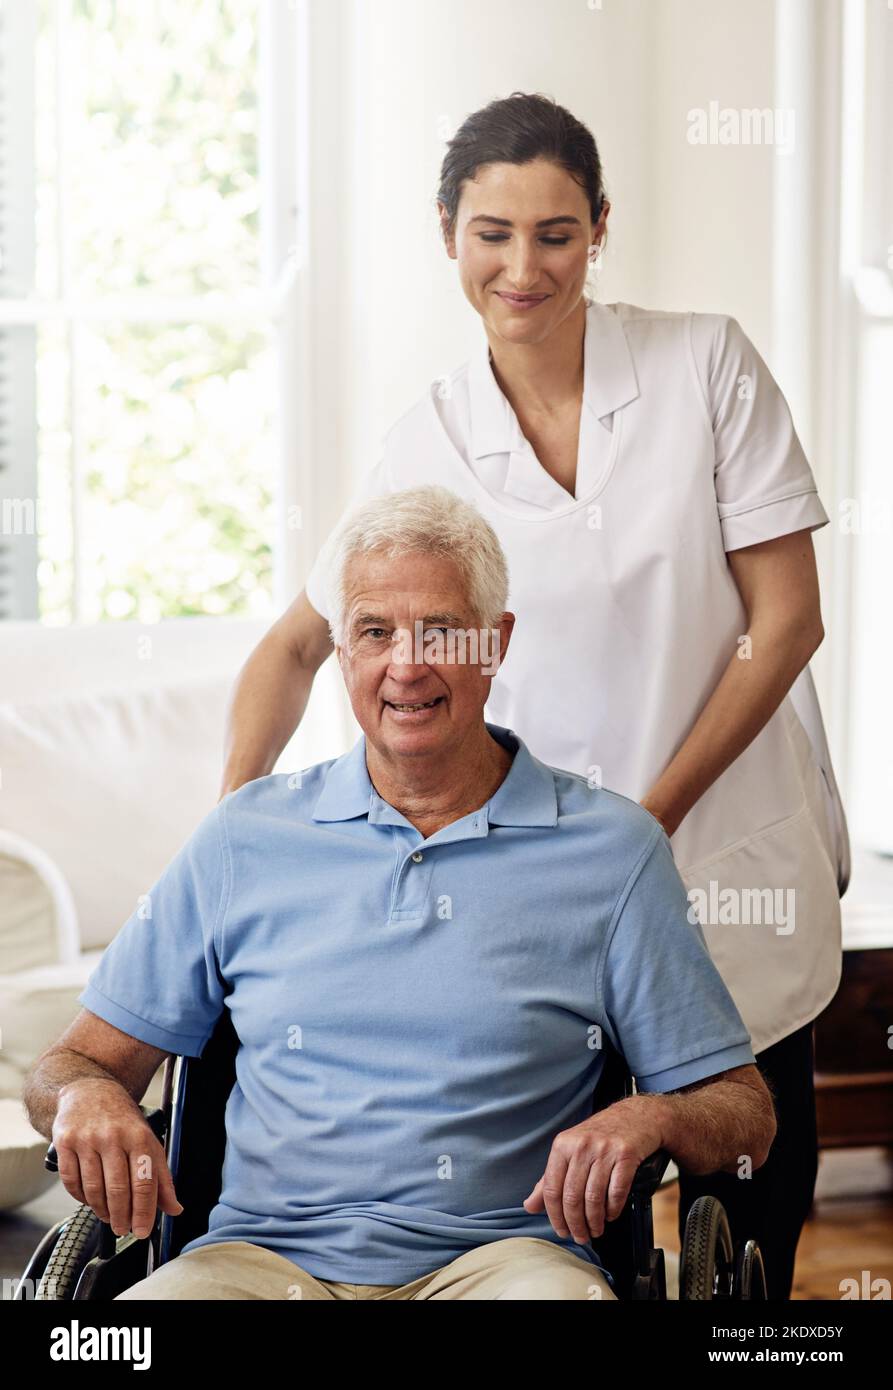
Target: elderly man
(423, 944)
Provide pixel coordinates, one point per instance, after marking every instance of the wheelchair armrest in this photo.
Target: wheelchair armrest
(154, 1119)
(649, 1173)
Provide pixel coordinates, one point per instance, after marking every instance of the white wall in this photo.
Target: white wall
(451, 59)
(711, 227)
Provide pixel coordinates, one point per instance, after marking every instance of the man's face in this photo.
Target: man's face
(409, 695)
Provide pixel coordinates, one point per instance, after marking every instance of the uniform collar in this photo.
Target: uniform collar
(609, 382)
(526, 796)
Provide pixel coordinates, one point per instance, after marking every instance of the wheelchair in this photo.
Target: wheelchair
(82, 1258)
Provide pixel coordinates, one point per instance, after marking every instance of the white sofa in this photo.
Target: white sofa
(111, 752)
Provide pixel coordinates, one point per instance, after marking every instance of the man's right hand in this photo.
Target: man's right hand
(109, 1158)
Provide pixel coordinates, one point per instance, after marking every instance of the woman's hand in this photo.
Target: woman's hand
(779, 589)
(669, 822)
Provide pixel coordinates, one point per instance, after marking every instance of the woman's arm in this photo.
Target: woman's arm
(779, 585)
(271, 692)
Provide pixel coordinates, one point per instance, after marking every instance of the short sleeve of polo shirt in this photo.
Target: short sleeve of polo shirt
(666, 1007)
(159, 979)
(764, 485)
(374, 483)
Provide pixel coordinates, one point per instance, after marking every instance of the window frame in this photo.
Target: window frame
(277, 302)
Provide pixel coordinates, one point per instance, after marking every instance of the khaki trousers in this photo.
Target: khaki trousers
(519, 1268)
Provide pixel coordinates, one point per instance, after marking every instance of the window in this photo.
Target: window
(147, 213)
(865, 493)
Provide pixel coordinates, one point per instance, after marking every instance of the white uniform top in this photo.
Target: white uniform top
(628, 615)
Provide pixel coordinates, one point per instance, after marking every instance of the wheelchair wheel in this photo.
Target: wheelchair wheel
(750, 1274)
(76, 1244)
(706, 1266)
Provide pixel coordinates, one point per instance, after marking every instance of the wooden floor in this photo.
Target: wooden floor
(850, 1229)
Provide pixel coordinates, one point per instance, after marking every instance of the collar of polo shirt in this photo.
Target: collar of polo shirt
(526, 796)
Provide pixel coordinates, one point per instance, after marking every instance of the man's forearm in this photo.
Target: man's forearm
(266, 705)
(45, 1081)
(712, 1129)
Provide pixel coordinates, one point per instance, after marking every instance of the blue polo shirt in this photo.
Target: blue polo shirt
(418, 1018)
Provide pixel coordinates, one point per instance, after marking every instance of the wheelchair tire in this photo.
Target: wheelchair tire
(706, 1266)
(750, 1274)
(76, 1245)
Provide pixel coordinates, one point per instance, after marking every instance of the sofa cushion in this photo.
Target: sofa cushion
(22, 1150)
(110, 786)
(36, 1006)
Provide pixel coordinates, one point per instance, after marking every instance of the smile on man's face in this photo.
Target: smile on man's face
(408, 707)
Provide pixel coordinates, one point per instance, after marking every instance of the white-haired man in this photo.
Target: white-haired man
(424, 945)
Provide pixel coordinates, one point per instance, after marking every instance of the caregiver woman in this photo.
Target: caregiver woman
(644, 477)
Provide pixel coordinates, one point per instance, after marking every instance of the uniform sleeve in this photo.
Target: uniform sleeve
(374, 483)
(764, 484)
(665, 1006)
(159, 979)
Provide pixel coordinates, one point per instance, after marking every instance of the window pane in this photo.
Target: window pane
(46, 156)
(177, 513)
(160, 123)
(54, 567)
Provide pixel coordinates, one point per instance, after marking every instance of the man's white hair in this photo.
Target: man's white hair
(420, 520)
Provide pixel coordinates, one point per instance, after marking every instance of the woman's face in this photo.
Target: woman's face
(523, 230)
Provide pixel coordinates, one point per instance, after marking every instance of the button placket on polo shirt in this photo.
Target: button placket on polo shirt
(411, 891)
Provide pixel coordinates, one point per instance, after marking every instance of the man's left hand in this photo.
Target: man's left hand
(591, 1167)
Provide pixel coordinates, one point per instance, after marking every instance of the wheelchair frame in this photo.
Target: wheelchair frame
(190, 1124)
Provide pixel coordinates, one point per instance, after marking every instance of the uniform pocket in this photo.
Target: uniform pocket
(770, 914)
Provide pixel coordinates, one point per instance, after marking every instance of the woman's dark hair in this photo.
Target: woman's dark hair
(515, 130)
